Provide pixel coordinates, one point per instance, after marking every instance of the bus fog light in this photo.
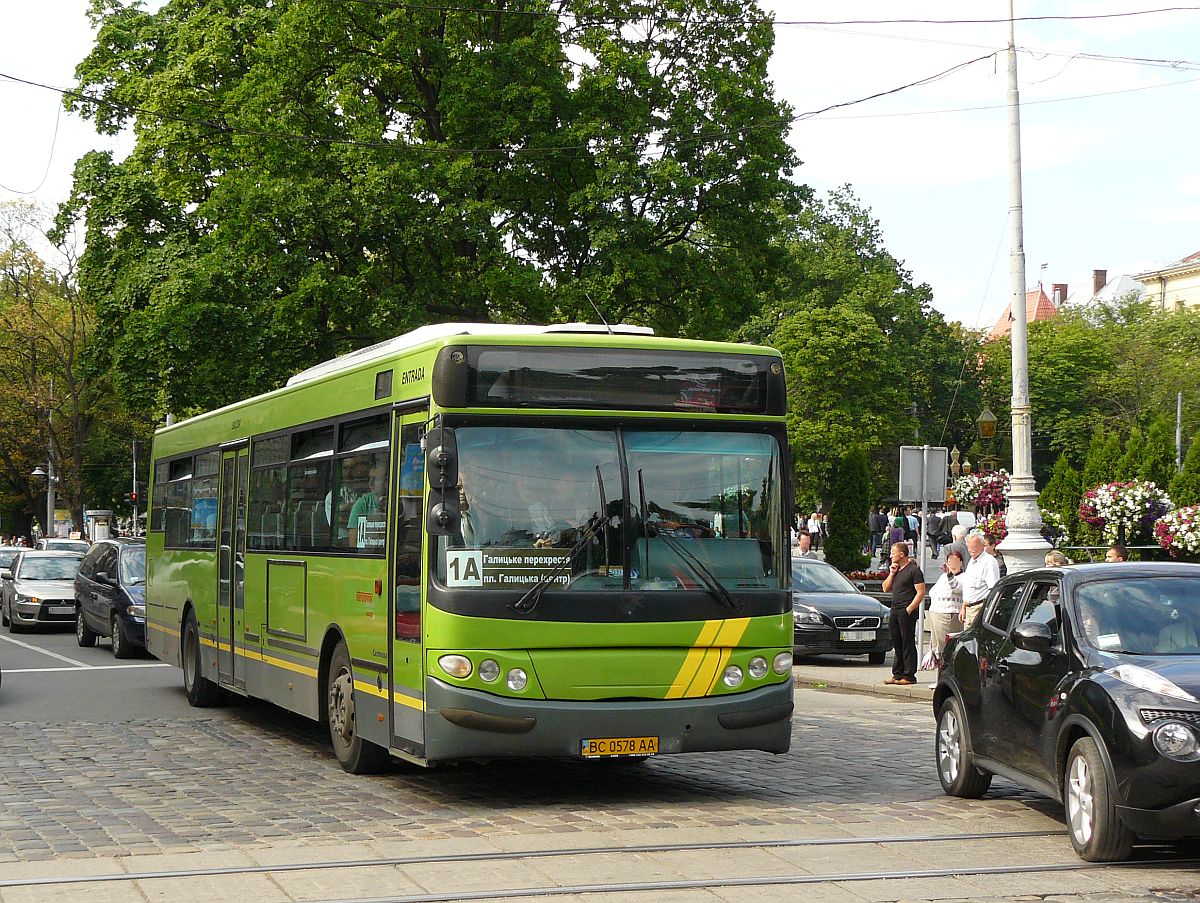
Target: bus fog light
(456, 665)
(488, 670)
(782, 663)
(1176, 741)
(732, 676)
(757, 667)
(517, 679)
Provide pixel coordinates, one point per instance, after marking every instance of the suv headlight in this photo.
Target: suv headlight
(1177, 741)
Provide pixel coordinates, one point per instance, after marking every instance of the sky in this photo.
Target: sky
(1110, 147)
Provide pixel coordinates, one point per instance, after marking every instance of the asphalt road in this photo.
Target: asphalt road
(106, 771)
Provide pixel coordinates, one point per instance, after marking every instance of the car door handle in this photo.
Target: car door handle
(1002, 670)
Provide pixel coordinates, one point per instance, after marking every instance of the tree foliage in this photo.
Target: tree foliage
(313, 176)
(1185, 487)
(1063, 493)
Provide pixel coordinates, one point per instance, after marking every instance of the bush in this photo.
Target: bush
(850, 495)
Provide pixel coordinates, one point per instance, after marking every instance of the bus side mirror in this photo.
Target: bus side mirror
(441, 464)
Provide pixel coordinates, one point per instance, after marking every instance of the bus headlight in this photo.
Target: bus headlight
(782, 663)
(732, 676)
(456, 665)
(757, 668)
(517, 679)
(488, 670)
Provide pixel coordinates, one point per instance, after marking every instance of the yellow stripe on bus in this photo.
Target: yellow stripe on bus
(409, 701)
(716, 656)
(693, 660)
(162, 629)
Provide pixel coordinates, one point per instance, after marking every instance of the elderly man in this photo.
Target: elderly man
(906, 583)
(803, 547)
(981, 575)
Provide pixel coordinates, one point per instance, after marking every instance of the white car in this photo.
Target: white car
(38, 588)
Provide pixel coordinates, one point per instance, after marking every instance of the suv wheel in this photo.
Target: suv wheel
(955, 760)
(121, 647)
(1097, 832)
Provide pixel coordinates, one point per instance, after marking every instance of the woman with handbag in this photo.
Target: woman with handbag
(945, 603)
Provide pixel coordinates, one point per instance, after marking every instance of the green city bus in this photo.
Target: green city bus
(475, 541)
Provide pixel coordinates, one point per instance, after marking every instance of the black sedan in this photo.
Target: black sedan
(1082, 683)
(833, 616)
(110, 596)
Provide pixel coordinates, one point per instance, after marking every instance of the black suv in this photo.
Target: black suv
(1082, 683)
(110, 596)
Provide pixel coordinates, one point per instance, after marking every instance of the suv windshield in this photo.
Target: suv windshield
(133, 565)
(686, 507)
(1146, 616)
(48, 568)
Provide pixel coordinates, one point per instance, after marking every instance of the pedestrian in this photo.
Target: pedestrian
(958, 533)
(906, 583)
(896, 530)
(980, 576)
(1056, 559)
(989, 546)
(804, 548)
(814, 530)
(878, 524)
(1116, 552)
(945, 605)
(912, 527)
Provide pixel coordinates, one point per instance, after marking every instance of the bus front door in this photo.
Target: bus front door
(407, 682)
(230, 591)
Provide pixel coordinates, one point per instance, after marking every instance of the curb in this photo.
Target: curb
(809, 677)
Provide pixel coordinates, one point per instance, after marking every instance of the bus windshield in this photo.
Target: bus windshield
(686, 508)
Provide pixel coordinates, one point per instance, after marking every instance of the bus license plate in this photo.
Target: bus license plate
(857, 636)
(620, 746)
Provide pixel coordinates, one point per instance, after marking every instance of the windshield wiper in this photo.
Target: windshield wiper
(530, 598)
(701, 570)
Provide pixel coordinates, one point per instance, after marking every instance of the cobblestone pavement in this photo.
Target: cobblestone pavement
(211, 783)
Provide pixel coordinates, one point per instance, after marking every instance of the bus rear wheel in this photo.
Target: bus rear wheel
(201, 692)
(354, 754)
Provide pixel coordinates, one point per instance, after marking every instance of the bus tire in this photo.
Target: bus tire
(201, 692)
(354, 754)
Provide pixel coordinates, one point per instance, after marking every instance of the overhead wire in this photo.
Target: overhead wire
(49, 158)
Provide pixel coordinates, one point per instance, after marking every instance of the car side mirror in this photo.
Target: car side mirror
(860, 586)
(6, 574)
(1033, 636)
(103, 577)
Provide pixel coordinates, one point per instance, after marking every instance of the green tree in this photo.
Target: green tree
(841, 389)
(310, 177)
(1158, 455)
(1185, 487)
(1131, 461)
(850, 495)
(1063, 493)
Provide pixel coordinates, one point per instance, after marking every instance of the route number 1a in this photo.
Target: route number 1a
(464, 567)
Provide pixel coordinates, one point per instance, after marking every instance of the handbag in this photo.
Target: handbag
(932, 661)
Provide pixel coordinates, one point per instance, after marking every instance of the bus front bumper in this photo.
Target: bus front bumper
(468, 724)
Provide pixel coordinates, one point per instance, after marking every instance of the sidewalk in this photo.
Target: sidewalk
(855, 674)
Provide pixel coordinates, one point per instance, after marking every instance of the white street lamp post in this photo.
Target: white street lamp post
(1024, 547)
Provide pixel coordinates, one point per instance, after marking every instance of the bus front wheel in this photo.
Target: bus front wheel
(201, 692)
(354, 754)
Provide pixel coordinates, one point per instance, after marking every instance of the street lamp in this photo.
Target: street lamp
(986, 425)
(51, 479)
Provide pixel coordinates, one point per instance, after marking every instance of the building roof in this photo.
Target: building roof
(1038, 306)
(1179, 267)
(1116, 287)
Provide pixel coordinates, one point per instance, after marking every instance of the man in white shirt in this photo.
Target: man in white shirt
(979, 578)
(803, 548)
